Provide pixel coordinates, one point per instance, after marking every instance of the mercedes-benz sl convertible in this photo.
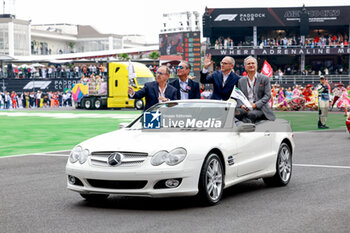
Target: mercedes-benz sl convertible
(182, 148)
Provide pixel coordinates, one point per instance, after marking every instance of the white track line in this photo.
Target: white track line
(38, 153)
(71, 115)
(321, 166)
(53, 155)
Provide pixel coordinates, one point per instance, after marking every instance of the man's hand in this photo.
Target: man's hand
(130, 91)
(253, 105)
(163, 99)
(207, 61)
(245, 108)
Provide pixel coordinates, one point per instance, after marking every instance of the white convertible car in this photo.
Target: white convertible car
(196, 147)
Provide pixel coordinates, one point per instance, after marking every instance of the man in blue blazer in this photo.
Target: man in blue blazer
(223, 81)
(156, 91)
(186, 88)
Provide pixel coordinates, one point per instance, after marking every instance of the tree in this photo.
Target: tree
(154, 56)
(124, 57)
(71, 45)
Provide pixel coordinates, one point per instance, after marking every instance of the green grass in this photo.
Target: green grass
(33, 134)
(307, 121)
(24, 135)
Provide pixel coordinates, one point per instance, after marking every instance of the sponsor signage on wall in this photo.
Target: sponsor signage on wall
(271, 17)
(44, 85)
(280, 51)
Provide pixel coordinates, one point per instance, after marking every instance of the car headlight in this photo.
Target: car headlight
(159, 158)
(171, 158)
(83, 156)
(75, 154)
(176, 156)
(78, 154)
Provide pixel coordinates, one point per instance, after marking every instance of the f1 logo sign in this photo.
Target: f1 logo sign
(228, 17)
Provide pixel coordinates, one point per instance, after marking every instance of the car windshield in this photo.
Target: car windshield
(187, 115)
(143, 80)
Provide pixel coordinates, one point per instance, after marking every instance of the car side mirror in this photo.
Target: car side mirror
(246, 127)
(123, 125)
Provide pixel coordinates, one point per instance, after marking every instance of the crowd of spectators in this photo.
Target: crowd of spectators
(35, 99)
(54, 71)
(317, 41)
(306, 97)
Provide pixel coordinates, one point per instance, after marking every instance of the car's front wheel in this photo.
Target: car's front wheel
(94, 197)
(283, 167)
(211, 180)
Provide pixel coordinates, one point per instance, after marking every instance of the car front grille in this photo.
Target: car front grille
(100, 158)
(118, 184)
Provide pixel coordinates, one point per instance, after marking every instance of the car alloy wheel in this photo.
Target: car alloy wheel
(211, 180)
(283, 167)
(285, 164)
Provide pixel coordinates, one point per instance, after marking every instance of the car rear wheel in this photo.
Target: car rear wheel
(94, 197)
(283, 167)
(211, 180)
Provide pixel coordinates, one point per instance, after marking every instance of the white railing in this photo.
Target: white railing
(310, 79)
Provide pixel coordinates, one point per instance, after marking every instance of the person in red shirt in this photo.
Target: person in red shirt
(307, 92)
(334, 38)
(14, 99)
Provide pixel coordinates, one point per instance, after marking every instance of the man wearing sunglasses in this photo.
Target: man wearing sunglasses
(223, 81)
(156, 91)
(186, 88)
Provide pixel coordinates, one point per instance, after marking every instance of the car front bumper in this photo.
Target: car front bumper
(188, 171)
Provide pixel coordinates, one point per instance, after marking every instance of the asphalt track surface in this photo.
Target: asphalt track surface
(34, 198)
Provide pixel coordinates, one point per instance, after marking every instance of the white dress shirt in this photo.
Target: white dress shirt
(250, 88)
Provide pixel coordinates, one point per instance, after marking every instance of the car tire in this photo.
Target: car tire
(139, 104)
(94, 197)
(211, 181)
(283, 168)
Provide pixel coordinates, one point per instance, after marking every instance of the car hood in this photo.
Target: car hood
(151, 142)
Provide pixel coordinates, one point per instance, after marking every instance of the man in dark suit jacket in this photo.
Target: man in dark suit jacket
(223, 81)
(186, 88)
(257, 88)
(156, 91)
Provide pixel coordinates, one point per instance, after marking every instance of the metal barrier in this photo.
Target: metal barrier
(309, 79)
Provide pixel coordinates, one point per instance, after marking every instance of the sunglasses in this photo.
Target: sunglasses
(180, 67)
(160, 73)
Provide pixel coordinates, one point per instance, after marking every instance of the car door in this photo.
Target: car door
(253, 151)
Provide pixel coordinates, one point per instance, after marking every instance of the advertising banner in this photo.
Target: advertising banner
(275, 17)
(279, 51)
(44, 85)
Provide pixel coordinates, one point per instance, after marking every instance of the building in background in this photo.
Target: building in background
(14, 36)
(22, 40)
(298, 41)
